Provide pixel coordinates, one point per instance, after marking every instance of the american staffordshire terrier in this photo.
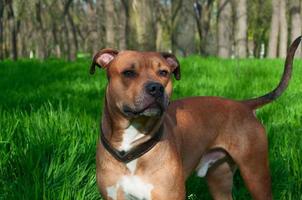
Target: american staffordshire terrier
(149, 146)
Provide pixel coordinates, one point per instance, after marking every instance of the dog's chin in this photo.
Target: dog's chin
(153, 110)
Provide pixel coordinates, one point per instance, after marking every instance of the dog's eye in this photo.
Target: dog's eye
(129, 73)
(163, 73)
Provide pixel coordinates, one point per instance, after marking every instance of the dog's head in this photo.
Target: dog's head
(139, 83)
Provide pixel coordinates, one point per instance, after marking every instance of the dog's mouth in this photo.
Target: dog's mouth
(151, 110)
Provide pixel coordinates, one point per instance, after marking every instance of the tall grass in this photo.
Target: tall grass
(50, 113)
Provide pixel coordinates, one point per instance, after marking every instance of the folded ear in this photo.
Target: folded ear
(102, 59)
(173, 63)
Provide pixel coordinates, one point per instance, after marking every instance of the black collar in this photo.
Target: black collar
(136, 151)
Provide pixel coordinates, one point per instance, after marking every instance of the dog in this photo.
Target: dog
(149, 146)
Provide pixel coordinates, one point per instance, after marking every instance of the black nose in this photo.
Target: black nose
(155, 89)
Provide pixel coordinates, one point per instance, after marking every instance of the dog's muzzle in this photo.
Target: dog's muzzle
(153, 102)
(155, 89)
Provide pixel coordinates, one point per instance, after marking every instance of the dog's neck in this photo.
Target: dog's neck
(124, 133)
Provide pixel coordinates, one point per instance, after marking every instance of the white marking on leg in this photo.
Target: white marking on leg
(130, 134)
(203, 167)
(112, 192)
(207, 161)
(135, 187)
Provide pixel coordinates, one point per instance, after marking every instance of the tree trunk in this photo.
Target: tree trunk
(203, 17)
(175, 21)
(75, 46)
(41, 31)
(185, 30)
(274, 30)
(71, 47)
(101, 25)
(295, 12)
(241, 29)
(224, 28)
(57, 50)
(66, 41)
(283, 30)
(170, 24)
(109, 24)
(93, 26)
(13, 28)
(1, 29)
(142, 14)
(123, 24)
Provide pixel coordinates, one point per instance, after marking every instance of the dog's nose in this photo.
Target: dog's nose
(155, 89)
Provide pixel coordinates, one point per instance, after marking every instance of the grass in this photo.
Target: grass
(50, 113)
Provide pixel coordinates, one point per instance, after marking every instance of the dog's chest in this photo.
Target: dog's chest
(129, 136)
(132, 186)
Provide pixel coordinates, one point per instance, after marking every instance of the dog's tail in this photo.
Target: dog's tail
(269, 97)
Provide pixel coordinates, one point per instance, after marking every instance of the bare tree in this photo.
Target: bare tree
(274, 30)
(241, 29)
(41, 50)
(283, 30)
(185, 29)
(224, 28)
(56, 28)
(123, 9)
(101, 31)
(143, 23)
(70, 31)
(92, 38)
(13, 27)
(203, 16)
(116, 23)
(62, 28)
(295, 13)
(1, 29)
(168, 21)
(110, 23)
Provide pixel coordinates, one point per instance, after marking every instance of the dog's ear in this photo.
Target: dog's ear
(102, 59)
(173, 63)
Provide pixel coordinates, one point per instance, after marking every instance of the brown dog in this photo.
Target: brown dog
(149, 147)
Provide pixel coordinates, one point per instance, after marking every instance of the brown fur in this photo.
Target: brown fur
(193, 127)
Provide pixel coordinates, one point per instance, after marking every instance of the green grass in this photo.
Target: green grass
(50, 113)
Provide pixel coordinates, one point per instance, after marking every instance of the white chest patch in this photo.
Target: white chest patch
(112, 192)
(132, 166)
(133, 186)
(130, 134)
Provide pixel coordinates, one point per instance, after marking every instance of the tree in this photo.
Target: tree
(224, 28)
(168, 20)
(70, 31)
(295, 14)
(1, 29)
(116, 23)
(274, 30)
(283, 29)
(123, 9)
(183, 36)
(143, 24)
(203, 16)
(259, 17)
(110, 23)
(241, 29)
(13, 28)
(41, 50)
